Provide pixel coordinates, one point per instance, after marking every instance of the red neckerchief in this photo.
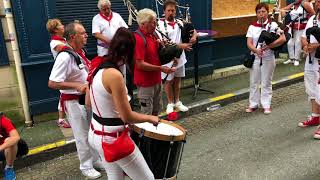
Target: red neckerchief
(107, 18)
(170, 23)
(58, 38)
(256, 24)
(83, 56)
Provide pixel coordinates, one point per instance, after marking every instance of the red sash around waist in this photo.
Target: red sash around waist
(67, 97)
(298, 26)
(101, 133)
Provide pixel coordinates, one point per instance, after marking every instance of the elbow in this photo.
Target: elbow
(139, 65)
(52, 85)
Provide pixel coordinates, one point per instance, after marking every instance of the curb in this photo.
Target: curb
(53, 150)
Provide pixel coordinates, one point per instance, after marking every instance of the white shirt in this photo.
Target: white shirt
(294, 13)
(54, 44)
(314, 66)
(254, 33)
(100, 25)
(102, 100)
(174, 34)
(65, 69)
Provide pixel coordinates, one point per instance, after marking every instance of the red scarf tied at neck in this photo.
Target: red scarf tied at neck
(107, 18)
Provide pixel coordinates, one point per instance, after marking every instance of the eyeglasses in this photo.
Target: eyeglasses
(82, 33)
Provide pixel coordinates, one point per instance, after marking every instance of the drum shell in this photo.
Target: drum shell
(155, 152)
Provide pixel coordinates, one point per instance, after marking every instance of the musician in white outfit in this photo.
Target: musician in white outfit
(263, 67)
(111, 109)
(311, 74)
(302, 9)
(171, 27)
(70, 79)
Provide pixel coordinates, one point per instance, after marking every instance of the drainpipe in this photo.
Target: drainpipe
(17, 60)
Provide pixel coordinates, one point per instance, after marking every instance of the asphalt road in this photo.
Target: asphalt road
(230, 144)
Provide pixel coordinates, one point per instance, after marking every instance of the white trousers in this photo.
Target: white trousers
(77, 117)
(133, 165)
(294, 45)
(261, 75)
(311, 79)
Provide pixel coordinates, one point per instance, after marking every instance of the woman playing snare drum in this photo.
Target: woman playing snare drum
(111, 109)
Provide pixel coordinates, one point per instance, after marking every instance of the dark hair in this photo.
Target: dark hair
(70, 29)
(122, 47)
(169, 2)
(262, 5)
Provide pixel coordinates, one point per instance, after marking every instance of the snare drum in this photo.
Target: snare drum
(161, 146)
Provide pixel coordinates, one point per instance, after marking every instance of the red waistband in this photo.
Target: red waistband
(114, 134)
(298, 26)
(67, 97)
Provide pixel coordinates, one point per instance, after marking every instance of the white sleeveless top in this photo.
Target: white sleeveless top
(101, 98)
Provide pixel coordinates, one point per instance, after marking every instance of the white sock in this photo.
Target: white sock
(7, 166)
(315, 115)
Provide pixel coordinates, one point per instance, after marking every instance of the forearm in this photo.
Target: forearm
(277, 42)
(135, 117)
(142, 65)
(64, 85)
(10, 141)
(101, 37)
(304, 42)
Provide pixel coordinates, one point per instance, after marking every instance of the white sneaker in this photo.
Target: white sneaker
(170, 107)
(296, 63)
(91, 173)
(288, 61)
(181, 107)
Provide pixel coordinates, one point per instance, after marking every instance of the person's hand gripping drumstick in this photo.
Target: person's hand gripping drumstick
(155, 120)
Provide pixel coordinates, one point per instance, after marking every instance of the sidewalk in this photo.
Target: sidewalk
(47, 141)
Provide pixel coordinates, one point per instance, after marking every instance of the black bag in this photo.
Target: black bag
(23, 148)
(248, 60)
(168, 52)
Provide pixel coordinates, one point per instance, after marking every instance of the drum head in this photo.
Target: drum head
(165, 131)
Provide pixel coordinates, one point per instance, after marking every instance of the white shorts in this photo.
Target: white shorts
(311, 79)
(180, 72)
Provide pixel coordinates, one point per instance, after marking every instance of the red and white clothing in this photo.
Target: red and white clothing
(150, 55)
(173, 30)
(55, 41)
(294, 44)
(102, 103)
(6, 127)
(261, 75)
(65, 69)
(311, 74)
(107, 26)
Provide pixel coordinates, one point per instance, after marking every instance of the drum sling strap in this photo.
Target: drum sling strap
(101, 120)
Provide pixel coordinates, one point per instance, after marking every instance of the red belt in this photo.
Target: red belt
(298, 26)
(67, 97)
(114, 134)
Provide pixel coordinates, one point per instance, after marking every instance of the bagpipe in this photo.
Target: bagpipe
(168, 50)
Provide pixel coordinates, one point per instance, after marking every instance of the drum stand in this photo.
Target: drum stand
(196, 72)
